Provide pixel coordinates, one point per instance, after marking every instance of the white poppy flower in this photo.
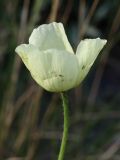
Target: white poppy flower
(51, 61)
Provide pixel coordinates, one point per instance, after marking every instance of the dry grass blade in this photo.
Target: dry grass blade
(88, 18)
(109, 154)
(54, 10)
(15, 158)
(116, 24)
(67, 12)
(53, 135)
(81, 14)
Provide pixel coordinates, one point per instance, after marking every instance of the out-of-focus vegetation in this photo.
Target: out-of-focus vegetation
(30, 118)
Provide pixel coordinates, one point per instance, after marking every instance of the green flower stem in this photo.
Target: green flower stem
(66, 126)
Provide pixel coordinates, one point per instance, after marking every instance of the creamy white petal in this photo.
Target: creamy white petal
(54, 70)
(50, 36)
(87, 52)
(24, 51)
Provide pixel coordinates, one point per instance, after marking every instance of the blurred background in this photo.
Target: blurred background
(31, 119)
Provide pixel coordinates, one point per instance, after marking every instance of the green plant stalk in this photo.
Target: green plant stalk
(66, 126)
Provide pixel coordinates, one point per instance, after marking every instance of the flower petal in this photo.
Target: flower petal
(54, 70)
(86, 53)
(24, 51)
(48, 36)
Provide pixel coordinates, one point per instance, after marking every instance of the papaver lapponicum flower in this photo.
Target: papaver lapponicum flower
(51, 60)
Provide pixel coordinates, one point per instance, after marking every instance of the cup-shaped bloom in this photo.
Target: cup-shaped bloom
(51, 61)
